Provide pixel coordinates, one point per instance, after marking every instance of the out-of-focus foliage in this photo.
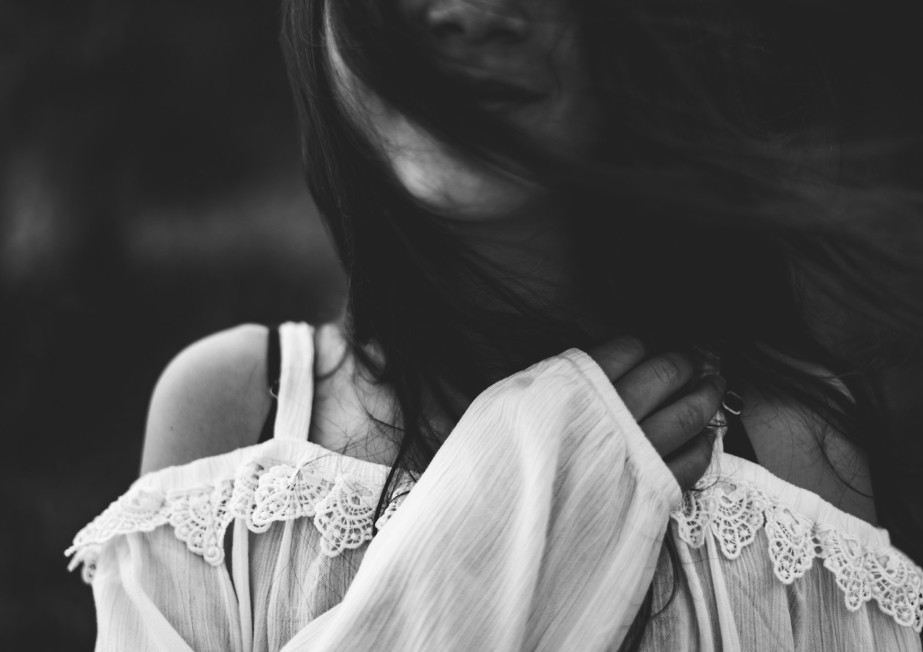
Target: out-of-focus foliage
(150, 194)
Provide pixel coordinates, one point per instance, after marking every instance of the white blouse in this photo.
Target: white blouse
(539, 525)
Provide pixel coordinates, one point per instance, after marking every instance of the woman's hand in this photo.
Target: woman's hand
(673, 416)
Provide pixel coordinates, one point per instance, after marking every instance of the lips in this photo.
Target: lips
(495, 84)
(498, 91)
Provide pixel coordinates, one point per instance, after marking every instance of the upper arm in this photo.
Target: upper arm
(212, 398)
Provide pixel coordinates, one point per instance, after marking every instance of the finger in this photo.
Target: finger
(652, 382)
(690, 464)
(617, 356)
(668, 429)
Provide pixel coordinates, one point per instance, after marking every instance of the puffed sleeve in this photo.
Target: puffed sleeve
(537, 526)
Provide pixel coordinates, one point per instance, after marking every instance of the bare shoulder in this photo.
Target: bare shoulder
(787, 443)
(210, 399)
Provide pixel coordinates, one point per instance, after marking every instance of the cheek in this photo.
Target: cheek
(445, 182)
(431, 173)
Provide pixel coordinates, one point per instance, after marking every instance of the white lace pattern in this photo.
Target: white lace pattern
(261, 493)
(342, 507)
(733, 512)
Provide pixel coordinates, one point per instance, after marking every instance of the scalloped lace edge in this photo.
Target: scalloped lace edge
(730, 510)
(342, 510)
(733, 512)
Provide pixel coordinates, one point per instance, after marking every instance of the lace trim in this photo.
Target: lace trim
(734, 511)
(260, 493)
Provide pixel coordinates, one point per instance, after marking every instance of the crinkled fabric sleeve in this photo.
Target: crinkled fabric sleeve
(537, 526)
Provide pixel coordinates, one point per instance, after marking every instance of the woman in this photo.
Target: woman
(512, 184)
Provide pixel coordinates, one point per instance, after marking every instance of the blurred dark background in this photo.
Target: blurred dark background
(150, 194)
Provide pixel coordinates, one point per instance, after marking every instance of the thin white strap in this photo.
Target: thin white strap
(240, 572)
(296, 384)
(730, 639)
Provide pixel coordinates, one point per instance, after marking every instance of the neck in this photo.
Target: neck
(538, 254)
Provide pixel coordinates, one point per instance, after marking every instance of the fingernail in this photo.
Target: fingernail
(733, 402)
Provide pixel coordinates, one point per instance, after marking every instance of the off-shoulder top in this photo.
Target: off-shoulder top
(539, 525)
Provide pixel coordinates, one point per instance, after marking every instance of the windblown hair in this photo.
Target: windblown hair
(721, 206)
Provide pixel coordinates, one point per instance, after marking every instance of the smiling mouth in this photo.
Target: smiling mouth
(489, 91)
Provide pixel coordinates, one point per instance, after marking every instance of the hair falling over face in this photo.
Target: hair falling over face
(721, 160)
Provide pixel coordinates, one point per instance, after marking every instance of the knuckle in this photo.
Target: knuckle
(627, 350)
(687, 418)
(621, 352)
(666, 369)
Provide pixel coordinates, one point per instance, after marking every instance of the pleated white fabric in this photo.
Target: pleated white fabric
(538, 526)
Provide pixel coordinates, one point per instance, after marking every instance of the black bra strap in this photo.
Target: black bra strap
(736, 440)
(273, 376)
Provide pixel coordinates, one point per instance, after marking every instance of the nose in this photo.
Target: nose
(459, 24)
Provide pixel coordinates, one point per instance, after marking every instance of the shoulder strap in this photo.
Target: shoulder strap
(296, 381)
(273, 376)
(736, 440)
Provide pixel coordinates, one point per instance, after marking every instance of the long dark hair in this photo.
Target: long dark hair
(720, 181)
